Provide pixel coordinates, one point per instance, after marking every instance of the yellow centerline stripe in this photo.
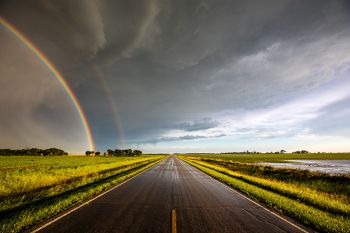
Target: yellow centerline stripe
(173, 221)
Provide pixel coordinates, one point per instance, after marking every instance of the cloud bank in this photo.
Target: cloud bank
(181, 71)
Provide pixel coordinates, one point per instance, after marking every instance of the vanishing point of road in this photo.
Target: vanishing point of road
(172, 196)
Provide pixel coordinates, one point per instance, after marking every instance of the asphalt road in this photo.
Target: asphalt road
(145, 203)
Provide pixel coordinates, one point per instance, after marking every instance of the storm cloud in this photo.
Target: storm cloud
(196, 70)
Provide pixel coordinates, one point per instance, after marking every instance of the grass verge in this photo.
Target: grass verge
(321, 220)
(335, 186)
(310, 197)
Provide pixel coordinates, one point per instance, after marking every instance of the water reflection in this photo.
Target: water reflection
(326, 166)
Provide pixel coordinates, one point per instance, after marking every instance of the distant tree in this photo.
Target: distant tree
(118, 152)
(88, 153)
(137, 152)
(33, 152)
(97, 153)
(283, 151)
(300, 152)
(54, 152)
(110, 152)
(126, 152)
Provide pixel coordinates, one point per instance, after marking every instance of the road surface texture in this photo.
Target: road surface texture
(171, 192)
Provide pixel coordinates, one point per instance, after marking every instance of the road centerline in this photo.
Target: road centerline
(173, 221)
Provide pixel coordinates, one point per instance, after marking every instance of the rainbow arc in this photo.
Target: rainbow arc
(51, 67)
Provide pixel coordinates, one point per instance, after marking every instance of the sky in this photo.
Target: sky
(178, 76)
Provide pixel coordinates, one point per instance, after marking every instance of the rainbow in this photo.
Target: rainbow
(112, 105)
(56, 74)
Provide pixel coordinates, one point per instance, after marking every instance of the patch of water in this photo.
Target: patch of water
(334, 167)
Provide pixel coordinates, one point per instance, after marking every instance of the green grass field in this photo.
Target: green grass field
(252, 158)
(34, 188)
(316, 199)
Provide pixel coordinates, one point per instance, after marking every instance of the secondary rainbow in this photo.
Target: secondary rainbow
(112, 104)
(56, 74)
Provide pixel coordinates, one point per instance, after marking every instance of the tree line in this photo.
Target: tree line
(300, 152)
(33, 152)
(115, 152)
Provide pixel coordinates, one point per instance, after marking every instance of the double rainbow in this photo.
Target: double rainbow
(56, 74)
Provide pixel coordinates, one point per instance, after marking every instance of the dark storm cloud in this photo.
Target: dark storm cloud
(201, 124)
(129, 25)
(184, 61)
(69, 29)
(184, 138)
(205, 63)
(181, 138)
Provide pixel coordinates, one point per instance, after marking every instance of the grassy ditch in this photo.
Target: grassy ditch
(334, 186)
(65, 187)
(313, 208)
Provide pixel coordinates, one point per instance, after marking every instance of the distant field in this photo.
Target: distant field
(316, 199)
(34, 188)
(252, 158)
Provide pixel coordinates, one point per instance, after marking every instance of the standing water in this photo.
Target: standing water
(335, 167)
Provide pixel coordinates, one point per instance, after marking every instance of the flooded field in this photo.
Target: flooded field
(335, 167)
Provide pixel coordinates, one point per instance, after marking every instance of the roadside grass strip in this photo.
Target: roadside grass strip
(334, 188)
(283, 198)
(308, 196)
(20, 219)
